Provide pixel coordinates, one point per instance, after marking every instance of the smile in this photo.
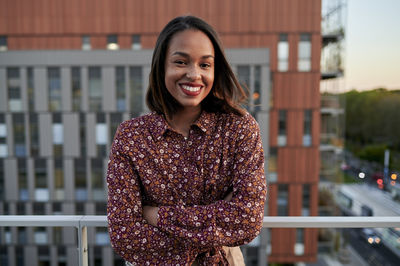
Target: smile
(190, 88)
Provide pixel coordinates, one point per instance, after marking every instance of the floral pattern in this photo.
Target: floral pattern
(188, 179)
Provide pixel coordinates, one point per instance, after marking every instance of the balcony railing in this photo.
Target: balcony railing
(83, 222)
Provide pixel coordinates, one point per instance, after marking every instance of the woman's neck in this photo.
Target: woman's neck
(182, 120)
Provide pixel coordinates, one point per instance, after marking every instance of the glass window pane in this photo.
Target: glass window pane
(76, 88)
(14, 89)
(304, 52)
(136, 43)
(307, 128)
(282, 128)
(54, 88)
(120, 88)
(86, 42)
(136, 89)
(95, 89)
(283, 53)
(282, 200)
(30, 87)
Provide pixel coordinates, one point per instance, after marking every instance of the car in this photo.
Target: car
(370, 236)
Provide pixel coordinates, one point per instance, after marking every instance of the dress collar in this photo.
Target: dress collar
(205, 123)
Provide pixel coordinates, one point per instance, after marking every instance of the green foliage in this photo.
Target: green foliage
(374, 152)
(372, 122)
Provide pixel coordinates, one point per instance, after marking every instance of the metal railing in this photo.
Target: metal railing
(85, 221)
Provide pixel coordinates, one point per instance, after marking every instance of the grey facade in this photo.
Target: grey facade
(58, 113)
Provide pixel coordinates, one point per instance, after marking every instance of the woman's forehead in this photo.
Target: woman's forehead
(190, 41)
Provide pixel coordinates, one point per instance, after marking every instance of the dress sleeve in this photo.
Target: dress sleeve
(129, 233)
(226, 223)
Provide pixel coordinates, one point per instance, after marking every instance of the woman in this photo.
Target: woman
(188, 178)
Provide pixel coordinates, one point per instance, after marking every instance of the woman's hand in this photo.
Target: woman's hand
(150, 214)
(229, 196)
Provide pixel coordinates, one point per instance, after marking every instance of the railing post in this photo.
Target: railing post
(82, 245)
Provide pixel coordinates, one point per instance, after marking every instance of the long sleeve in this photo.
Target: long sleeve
(226, 223)
(129, 233)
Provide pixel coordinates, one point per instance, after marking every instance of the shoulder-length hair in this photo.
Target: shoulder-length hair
(226, 95)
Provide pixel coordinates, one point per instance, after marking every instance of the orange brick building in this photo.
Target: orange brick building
(290, 30)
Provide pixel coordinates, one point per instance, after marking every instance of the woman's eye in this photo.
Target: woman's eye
(180, 62)
(205, 65)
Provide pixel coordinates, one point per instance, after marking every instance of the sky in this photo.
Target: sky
(372, 45)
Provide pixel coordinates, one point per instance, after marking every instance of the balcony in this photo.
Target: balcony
(81, 223)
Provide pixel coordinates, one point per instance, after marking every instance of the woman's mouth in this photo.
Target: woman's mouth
(191, 90)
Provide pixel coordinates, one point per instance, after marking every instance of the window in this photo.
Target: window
(14, 89)
(1, 179)
(22, 180)
(283, 53)
(244, 76)
(120, 88)
(3, 137)
(305, 210)
(57, 208)
(112, 42)
(95, 89)
(282, 128)
(80, 208)
(58, 135)
(304, 52)
(250, 79)
(3, 44)
(282, 200)
(299, 245)
(41, 190)
(257, 89)
(135, 83)
(82, 133)
(102, 236)
(57, 236)
(136, 42)
(115, 120)
(22, 236)
(30, 87)
(19, 134)
(54, 87)
(34, 134)
(40, 236)
(273, 164)
(86, 42)
(101, 208)
(21, 210)
(97, 179)
(80, 180)
(101, 135)
(76, 88)
(307, 128)
(39, 208)
(58, 179)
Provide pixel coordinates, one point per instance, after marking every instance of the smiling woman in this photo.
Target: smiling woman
(187, 180)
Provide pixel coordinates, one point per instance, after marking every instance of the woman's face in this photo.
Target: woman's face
(189, 68)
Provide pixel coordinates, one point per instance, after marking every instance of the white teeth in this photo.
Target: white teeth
(189, 88)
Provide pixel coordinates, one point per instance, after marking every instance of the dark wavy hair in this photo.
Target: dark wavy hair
(226, 95)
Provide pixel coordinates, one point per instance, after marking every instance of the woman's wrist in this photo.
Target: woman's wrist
(150, 214)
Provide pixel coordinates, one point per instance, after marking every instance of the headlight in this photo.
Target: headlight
(370, 240)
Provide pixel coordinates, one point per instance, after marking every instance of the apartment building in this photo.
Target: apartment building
(70, 72)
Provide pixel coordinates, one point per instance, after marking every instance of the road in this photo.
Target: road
(373, 255)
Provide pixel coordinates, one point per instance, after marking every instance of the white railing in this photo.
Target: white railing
(83, 222)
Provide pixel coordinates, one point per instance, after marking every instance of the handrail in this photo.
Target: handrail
(269, 221)
(81, 222)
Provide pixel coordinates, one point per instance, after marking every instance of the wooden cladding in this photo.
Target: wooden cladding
(138, 16)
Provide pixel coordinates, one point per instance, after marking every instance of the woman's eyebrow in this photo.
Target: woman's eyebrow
(187, 55)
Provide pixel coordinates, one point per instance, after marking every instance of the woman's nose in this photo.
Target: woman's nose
(193, 73)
